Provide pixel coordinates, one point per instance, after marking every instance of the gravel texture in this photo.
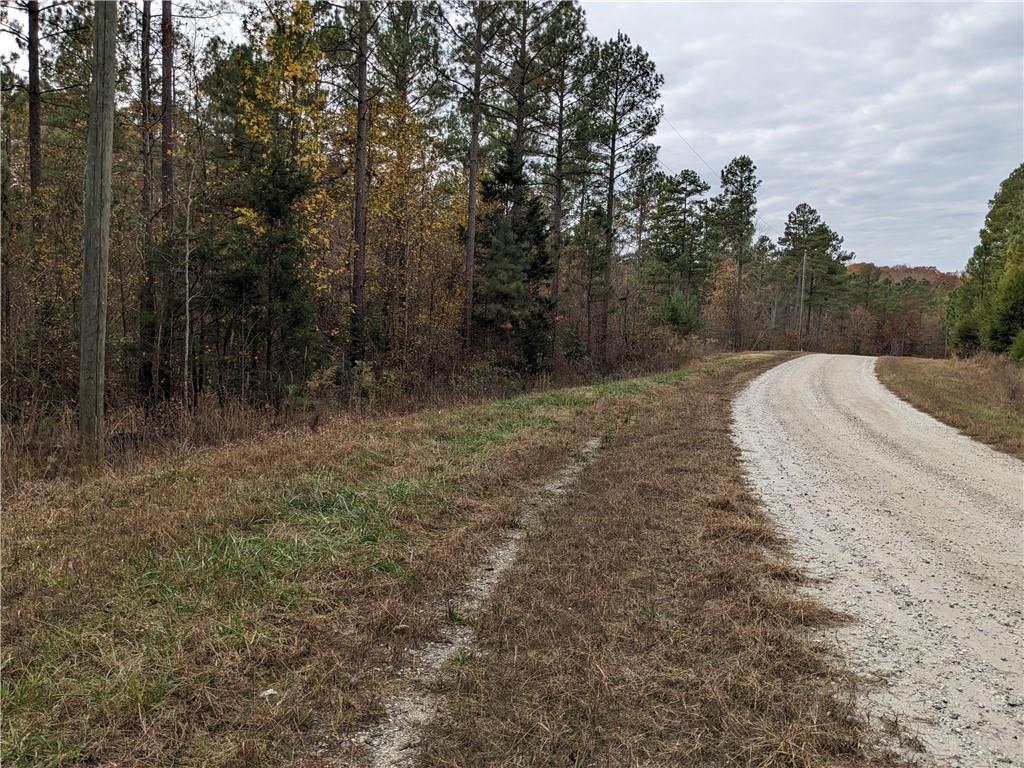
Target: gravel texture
(912, 529)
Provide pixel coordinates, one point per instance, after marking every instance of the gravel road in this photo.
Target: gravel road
(912, 529)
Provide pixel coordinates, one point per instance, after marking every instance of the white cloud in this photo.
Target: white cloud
(896, 120)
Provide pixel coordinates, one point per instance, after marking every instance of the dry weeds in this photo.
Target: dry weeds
(652, 620)
(983, 396)
(228, 606)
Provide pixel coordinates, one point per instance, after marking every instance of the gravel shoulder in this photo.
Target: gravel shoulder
(912, 529)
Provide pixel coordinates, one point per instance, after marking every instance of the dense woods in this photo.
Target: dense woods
(987, 310)
(341, 200)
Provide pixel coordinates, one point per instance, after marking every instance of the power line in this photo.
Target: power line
(714, 173)
(693, 149)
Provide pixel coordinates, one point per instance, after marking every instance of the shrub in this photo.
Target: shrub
(1017, 348)
(680, 313)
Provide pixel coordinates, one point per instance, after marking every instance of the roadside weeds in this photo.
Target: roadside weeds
(229, 608)
(653, 621)
(982, 396)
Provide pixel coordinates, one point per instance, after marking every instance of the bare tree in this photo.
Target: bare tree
(164, 341)
(358, 330)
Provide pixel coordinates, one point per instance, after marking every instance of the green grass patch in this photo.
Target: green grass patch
(1007, 422)
(129, 658)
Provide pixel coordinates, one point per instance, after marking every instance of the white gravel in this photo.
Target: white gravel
(912, 529)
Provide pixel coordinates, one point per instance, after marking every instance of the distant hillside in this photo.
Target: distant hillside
(901, 272)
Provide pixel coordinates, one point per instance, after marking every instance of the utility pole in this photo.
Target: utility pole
(800, 319)
(99, 149)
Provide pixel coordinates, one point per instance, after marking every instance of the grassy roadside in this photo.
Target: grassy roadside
(982, 396)
(225, 608)
(652, 621)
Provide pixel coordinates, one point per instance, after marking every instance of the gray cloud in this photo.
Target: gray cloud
(897, 121)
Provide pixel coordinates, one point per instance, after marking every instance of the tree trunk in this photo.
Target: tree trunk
(357, 338)
(147, 288)
(606, 282)
(556, 205)
(522, 39)
(737, 331)
(187, 390)
(474, 169)
(97, 233)
(167, 197)
(35, 147)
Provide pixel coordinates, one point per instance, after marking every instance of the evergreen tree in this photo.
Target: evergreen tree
(623, 102)
(734, 212)
(678, 234)
(807, 235)
(512, 307)
(980, 311)
(563, 122)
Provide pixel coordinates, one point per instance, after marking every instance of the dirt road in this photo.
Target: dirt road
(913, 530)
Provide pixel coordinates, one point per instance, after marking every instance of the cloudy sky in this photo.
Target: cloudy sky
(897, 121)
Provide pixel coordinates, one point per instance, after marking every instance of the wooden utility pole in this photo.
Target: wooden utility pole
(99, 149)
(357, 340)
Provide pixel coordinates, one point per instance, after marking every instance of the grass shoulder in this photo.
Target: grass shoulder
(982, 396)
(218, 607)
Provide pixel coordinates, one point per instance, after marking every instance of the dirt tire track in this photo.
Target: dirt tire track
(914, 530)
(412, 704)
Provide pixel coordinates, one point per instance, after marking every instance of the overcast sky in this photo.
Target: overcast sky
(896, 121)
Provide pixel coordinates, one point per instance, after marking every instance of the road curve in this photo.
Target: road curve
(912, 529)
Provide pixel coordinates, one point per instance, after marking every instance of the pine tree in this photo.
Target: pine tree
(677, 233)
(735, 209)
(482, 22)
(969, 316)
(564, 121)
(624, 93)
(513, 309)
(824, 279)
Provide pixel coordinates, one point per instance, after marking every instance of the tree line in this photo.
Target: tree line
(986, 312)
(386, 196)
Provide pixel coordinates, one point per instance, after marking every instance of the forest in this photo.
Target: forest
(372, 201)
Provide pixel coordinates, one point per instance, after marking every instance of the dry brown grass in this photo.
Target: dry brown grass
(146, 610)
(982, 396)
(652, 621)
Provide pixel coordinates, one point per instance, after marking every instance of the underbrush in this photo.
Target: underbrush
(983, 396)
(42, 443)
